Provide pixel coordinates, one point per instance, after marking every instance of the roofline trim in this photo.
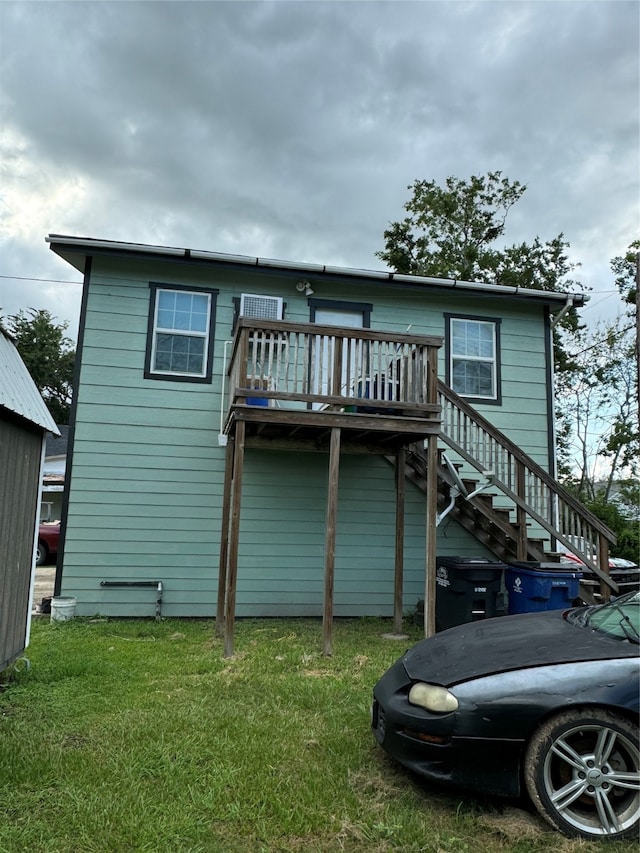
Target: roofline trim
(88, 243)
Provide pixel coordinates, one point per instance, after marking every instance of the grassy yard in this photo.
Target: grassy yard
(140, 736)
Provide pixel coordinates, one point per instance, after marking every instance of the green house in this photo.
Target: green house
(289, 439)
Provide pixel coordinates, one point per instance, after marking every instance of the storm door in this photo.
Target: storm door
(351, 315)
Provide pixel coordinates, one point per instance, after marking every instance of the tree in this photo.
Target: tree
(625, 270)
(48, 355)
(598, 400)
(451, 232)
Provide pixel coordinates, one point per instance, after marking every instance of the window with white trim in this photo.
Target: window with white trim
(180, 332)
(473, 368)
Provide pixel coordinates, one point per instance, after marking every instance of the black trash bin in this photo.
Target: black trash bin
(467, 590)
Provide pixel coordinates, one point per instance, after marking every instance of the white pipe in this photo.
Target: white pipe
(223, 388)
(557, 317)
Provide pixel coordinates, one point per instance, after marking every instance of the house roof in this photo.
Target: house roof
(75, 250)
(57, 444)
(18, 391)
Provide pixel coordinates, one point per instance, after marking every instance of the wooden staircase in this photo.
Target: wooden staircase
(526, 514)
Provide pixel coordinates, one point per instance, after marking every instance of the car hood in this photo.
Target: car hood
(505, 643)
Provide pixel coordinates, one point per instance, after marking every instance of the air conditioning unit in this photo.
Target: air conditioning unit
(261, 307)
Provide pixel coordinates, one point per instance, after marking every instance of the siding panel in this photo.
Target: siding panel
(146, 488)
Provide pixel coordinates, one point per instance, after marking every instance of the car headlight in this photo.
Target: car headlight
(433, 698)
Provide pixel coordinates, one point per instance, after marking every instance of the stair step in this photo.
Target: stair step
(491, 525)
(485, 497)
(555, 557)
(506, 515)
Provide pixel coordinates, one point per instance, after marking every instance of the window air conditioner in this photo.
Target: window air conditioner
(261, 307)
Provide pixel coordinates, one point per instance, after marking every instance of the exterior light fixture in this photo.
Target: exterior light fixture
(304, 286)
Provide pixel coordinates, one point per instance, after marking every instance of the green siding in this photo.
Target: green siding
(146, 482)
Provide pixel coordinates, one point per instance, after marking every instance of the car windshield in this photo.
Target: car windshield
(618, 618)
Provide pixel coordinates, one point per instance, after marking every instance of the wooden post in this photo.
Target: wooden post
(432, 504)
(603, 564)
(430, 561)
(234, 535)
(330, 542)
(399, 567)
(336, 370)
(521, 514)
(224, 536)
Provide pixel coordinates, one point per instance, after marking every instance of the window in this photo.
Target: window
(472, 352)
(180, 331)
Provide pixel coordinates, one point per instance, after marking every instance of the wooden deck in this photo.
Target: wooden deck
(292, 383)
(335, 390)
(311, 430)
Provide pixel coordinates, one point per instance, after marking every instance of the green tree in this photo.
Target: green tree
(598, 399)
(624, 269)
(48, 355)
(620, 514)
(451, 232)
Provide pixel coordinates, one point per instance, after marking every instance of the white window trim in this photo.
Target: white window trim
(494, 396)
(157, 329)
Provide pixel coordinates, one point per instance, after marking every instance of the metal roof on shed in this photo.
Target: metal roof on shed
(18, 392)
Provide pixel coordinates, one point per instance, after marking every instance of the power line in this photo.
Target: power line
(599, 343)
(47, 280)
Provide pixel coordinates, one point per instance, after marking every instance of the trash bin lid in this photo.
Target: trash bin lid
(469, 563)
(535, 566)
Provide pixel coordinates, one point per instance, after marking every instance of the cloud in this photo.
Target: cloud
(292, 129)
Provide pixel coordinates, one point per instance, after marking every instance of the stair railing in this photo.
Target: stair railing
(535, 493)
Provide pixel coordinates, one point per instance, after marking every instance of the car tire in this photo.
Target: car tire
(41, 554)
(582, 772)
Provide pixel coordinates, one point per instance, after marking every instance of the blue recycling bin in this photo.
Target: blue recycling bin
(533, 587)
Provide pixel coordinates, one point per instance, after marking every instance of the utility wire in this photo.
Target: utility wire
(48, 280)
(598, 343)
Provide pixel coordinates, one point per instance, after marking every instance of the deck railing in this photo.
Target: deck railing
(535, 493)
(305, 365)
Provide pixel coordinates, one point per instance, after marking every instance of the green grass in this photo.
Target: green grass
(140, 736)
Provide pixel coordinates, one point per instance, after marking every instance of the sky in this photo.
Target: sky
(292, 130)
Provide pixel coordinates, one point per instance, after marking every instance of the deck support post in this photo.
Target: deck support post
(330, 542)
(430, 549)
(224, 536)
(234, 535)
(432, 506)
(399, 565)
(603, 564)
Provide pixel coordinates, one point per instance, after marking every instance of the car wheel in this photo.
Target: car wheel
(41, 554)
(582, 771)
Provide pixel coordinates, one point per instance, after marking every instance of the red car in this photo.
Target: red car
(48, 535)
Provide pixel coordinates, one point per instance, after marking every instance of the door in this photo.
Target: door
(324, 346)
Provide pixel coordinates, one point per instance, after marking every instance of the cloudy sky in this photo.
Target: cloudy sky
(291, 130)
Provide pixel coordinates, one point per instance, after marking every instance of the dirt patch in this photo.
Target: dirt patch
(515, 824)
(43, 588)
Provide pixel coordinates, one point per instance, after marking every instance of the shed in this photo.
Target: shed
(25, 422)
